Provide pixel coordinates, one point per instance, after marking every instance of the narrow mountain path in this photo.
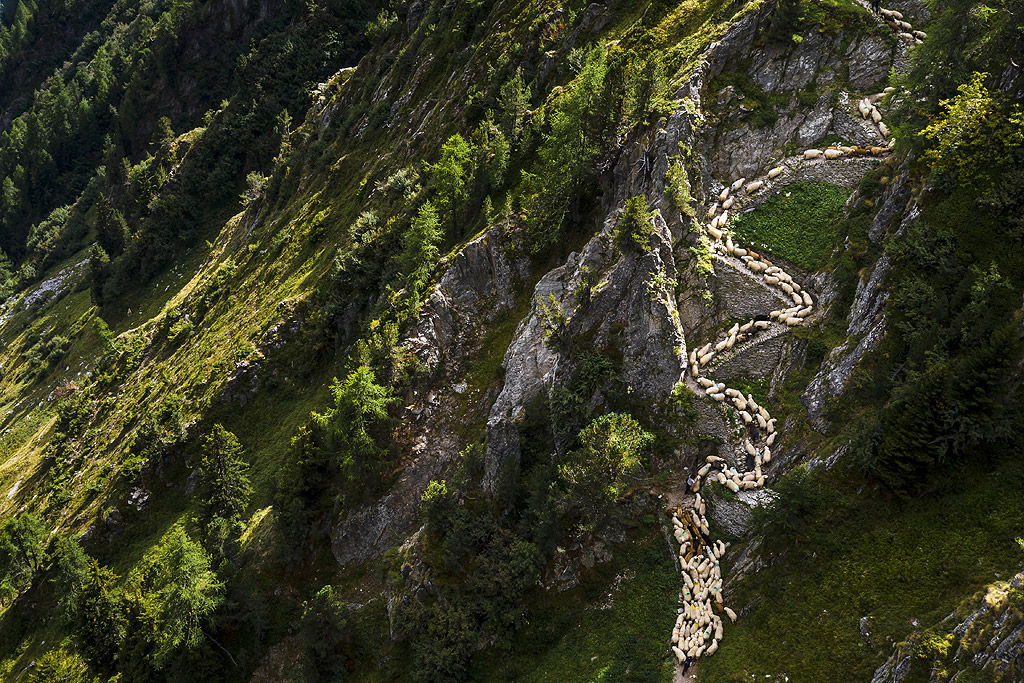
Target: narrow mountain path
(698, 628)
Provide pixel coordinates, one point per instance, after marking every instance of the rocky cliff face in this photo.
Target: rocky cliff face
(648, 307)
(982, 640)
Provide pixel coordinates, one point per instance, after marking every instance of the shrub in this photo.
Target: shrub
(633, 228)
(611, 458)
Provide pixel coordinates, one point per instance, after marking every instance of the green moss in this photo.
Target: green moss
(797, 224)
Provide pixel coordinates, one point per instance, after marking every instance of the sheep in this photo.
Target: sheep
(804, 312)
(796, 298)
(761, 324)
(897, 15)
(771, 439)
(761, 422)
(794, 321)
(764, 413)
(730, 341)
(775, 172)
(833, 153)
(719, 397)
(747, 418)
(739, 403)
(921, 35)
(883, 129)
(812, 153)
(864, 108)
(733, 486)
(745, 327)
(876, 115)
(771, 279)
(786, 287)
(846, 150)
(749, 447)
(704, 349)
(705, 382)
(907, 36)
(716, 233)
(738, 184)
(754, 186)
(739, 251)
(729, 613)
(706, 358)
(808, 301)
(887, 13)
(714, 223)
(720, 345)
(712, 210)
(724, 194)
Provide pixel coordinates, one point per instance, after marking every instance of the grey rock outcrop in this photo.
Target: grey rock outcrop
(867, 321)
(615, 300)
(987, 641)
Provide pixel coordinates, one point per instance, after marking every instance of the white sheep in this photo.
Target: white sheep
(812, 153)
(729, 613)
(775, 172)
(754, 186)
(786, 287)
(833, 153)
(883, 129)
(771, 437)
(808, 301)
(723, 195)
(706, 358)
(738, 184)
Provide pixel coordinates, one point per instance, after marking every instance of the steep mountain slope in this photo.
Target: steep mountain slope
(389, 365)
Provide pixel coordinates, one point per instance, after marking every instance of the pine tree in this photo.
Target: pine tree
(225, 484)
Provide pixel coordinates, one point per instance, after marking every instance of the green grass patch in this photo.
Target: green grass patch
(613, 627)
(797, 224)
(858, 555)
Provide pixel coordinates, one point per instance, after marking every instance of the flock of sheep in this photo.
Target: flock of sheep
(698, 628)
